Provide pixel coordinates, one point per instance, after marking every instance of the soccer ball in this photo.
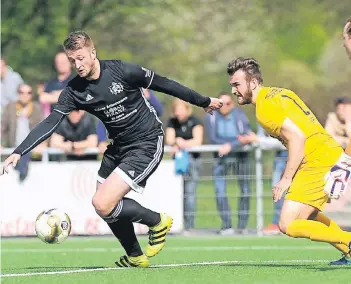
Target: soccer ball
(53, 226)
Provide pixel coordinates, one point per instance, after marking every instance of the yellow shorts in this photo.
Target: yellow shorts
(308, 184)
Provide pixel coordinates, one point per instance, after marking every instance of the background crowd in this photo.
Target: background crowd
(23, 106)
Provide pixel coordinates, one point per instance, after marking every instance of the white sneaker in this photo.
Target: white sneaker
(227, 232)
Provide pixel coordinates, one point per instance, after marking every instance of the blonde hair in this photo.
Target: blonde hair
(179, 102)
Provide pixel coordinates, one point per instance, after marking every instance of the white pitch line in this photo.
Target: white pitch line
(207, 248)
(163, 266)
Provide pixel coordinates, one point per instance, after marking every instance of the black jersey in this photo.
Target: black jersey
(117, 99)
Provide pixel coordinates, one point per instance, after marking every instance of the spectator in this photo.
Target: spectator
(76, 134)
(230, 128)
(102, 137)
(18, 119)
(55, 85)
(338, 123)
(184, 131)
(149, 95)
(281, 156)
(10, 81)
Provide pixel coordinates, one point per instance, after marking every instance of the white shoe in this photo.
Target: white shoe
(227, 232)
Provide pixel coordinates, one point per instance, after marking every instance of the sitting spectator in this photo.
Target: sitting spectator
(281, 157)
(230, 128)
(338, 123)
(10, 81)
(53, 88)
(102, 137)
(149, 95)
(18, 119)
(76, 133)
(184, 131)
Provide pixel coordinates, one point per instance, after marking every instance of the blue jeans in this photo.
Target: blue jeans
(238, 164)
(22, 166)
(191, 179)
(280, 160)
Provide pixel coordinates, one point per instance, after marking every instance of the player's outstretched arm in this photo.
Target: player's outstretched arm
(173, 88)
(39, 134)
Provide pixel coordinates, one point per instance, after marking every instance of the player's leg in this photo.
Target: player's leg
(295, 222)
(344, 249)
(139, 161)
(111, 191)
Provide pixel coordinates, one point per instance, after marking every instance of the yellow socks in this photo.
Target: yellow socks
(331, 224)
(317, 231)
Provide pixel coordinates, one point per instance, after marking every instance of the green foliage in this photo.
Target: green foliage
(190, 41)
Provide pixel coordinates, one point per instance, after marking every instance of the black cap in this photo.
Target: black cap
(342, 100)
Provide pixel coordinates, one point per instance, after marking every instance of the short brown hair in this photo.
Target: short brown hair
(348, 21)
(77, 40)
(249, 65)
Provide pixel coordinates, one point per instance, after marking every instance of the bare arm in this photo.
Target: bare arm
(198, 134)
(296, 144)
(170, 136)
(58, 141)
(49, 98)
(90, 142)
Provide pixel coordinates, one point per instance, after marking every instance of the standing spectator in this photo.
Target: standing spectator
(230, 128)
(338, 123)
(55, 85)
(76, 134)
(18, 119)
(280, 159)
(185, 131)
(10, 81)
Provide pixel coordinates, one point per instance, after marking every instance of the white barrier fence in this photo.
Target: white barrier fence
(71, 185)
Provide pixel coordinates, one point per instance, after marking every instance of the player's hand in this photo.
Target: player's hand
(338, 177)
(280, 188)
(11, 160)
(214, 105)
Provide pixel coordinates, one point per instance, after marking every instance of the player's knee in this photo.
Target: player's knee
(283, 226)
(102, 207)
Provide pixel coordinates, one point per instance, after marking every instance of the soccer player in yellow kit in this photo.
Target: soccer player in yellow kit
(312, 153)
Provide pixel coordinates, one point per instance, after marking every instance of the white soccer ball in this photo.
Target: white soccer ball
(53, 226)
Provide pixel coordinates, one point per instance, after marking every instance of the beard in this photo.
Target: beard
(244, 98)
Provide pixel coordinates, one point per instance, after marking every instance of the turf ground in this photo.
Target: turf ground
(209, 259)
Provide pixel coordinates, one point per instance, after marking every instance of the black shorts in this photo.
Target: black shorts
(134, 163)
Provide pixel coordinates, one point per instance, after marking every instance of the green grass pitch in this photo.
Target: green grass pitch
(200, 259)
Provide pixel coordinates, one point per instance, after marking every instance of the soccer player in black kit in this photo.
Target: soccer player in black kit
(111, 90)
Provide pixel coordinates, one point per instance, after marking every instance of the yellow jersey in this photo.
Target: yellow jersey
(274, 105)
